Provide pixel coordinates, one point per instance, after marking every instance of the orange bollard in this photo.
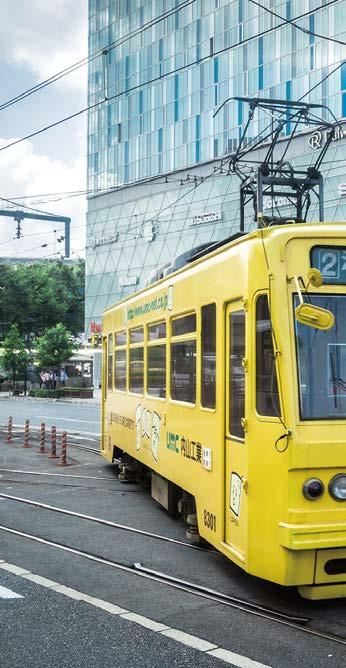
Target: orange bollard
(53, 454)
(9, 438)
(63, 461)
(42, 437)
(26, 435)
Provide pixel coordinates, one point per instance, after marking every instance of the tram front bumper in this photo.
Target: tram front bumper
(329, 576)
(316, 558)
(312, 536)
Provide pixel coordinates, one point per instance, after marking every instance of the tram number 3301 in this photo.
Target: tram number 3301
(209, 520)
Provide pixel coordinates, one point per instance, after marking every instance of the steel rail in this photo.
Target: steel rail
(99, 520)
(71, 435)
(189, 588)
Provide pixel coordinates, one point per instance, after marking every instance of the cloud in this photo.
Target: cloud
(25, 172)
(45, 36)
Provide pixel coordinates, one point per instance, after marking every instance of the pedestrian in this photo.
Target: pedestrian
(41, 378)
(46, 380)
(53, 379)
(63, 377)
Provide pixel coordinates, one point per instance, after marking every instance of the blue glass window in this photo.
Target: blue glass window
(311, 28)
(160, 140)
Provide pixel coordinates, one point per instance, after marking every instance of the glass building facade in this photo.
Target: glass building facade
(158, 72)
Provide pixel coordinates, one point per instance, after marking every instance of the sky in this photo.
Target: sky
(39, 38)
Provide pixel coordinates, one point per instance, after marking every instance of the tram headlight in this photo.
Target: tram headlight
(337, 487)
(313, 488)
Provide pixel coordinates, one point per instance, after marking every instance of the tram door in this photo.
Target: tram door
(235, 431)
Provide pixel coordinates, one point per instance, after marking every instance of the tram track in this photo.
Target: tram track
(72, 485)
(71, 477)
(103, 522)
(18, 432)
(297, 623)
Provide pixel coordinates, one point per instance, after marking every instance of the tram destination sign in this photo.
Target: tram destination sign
(331, 261)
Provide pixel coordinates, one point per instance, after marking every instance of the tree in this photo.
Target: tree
(15, 357)
(55, 346)
(42, 294)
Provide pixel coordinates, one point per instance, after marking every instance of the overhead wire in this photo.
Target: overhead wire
(81, 193)
(116, 43)
(292, 23)
(88, 59)
(157, 214)
(9, 201)
(150, 81)
(212, 174)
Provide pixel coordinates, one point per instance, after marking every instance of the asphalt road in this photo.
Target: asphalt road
(95, 621)
(72, 417)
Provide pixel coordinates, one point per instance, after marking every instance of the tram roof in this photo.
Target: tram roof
(284, 231)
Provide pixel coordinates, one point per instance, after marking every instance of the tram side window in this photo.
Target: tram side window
(120, 361)
(208, 370)
(104, 366)
(183, 359)
(156, 360)
(110, 361)
(136, 366)
(267, 397)
(237, 373)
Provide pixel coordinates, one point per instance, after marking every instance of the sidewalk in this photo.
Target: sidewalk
(95, 401)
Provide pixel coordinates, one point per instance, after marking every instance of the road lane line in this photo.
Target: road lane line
(37, 426)
(54, 417)
(188, 639)
(11, 568)
(59, 475)
(38, 579)
(144, 621)
(156, 627)
(235, 659)
(8, 593)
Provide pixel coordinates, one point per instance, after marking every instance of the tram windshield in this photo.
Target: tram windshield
(322, 362)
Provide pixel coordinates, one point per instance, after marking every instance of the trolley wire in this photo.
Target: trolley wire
(64, 195)
(294, 25)
(88, 59)
(138, 31)
(133, 229)
(140, 86)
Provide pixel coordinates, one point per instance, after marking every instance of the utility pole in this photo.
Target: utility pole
(18, 215)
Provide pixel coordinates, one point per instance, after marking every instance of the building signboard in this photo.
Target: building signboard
(95, 327)
(318, 138)
(205, 218)
(101, 241)
(124, 281)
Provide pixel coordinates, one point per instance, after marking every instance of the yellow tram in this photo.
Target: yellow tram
(226, 381)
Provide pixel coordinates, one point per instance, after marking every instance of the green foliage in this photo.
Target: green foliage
(41, 295)
(45, 394)
(55, 346)
(62, 392)
(15, 357)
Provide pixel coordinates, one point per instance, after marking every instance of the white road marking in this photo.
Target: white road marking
(54, 417)
(75, 437)
(38, 579)
(59, 430)
(235, 659)
(7, 593)
(11, 568)
(59, 475)
(144, 621)
(157, 627)
(189, 640)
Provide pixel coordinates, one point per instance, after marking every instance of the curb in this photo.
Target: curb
(85, 402)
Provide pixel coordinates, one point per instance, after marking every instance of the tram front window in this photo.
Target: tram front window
(322, 362)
